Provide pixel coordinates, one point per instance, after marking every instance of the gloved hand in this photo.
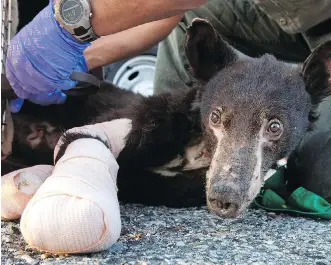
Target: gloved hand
(40, 59)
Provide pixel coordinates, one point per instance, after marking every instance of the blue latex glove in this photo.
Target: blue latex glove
(40, 59)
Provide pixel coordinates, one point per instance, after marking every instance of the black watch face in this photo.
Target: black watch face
(71, 11)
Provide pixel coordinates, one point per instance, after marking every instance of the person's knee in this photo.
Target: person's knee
(310, 165)
(171, 66)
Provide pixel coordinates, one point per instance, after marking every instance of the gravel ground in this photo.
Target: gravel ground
(152, 235)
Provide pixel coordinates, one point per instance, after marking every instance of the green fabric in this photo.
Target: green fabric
(301, 201)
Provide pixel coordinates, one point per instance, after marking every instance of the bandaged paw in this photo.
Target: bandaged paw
(18, 187)
(76, 210)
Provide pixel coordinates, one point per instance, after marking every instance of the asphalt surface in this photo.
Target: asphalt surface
(152, 235)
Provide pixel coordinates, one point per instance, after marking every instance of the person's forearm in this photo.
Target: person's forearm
(112, 16)
(128, 43)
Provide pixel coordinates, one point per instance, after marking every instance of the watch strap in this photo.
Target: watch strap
(84, 34)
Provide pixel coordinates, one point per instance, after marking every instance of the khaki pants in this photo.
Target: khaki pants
(242, 24)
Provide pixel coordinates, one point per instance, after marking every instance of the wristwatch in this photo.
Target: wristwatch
(75, 17)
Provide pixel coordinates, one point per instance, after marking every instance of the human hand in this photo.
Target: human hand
(40, 60)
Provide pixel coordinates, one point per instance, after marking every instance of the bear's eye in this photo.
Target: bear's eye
(215, 117)
(274, 129)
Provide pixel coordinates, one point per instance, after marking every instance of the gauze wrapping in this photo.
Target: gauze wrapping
(76, 210)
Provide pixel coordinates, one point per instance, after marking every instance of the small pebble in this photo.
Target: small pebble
(28, 248)
(14, 230)
(180, 244)
(19, 253)
(117, 247)
(29, 260)
(271, 214)
(5, 239)
(274, 215)
(45, 256)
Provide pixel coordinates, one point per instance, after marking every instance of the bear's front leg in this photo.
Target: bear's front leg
(162, 127)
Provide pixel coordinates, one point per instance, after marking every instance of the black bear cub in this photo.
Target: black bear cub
(213, 144)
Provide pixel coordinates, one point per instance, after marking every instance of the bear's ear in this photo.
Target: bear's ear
(207, 53)
(316, 72)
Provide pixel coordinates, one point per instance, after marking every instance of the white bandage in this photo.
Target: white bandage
(112, 132)
(76, 210)
(18, 187)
